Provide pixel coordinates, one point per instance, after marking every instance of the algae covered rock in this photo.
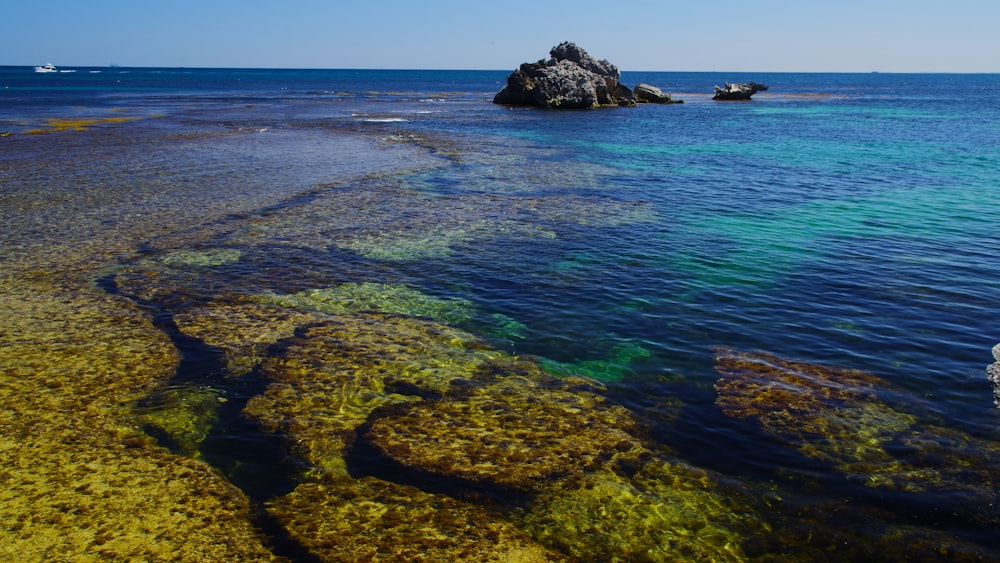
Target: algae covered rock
(667, 512)
(841, 417)
(180, 416)
(80, 481)
(243, 331)
(515, 434)
(375, 297)
(328, 379)
(202, 258)
(372, 520)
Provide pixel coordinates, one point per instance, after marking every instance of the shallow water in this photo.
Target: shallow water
(260, 218)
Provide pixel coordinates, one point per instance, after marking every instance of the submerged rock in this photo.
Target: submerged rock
(668, 511)
(741, 91)
(180, 416)
(372, 520)
(206, 258)
(615, 368)
(518, 433)
(329, 378)
(81, 482)
(840, 417)
(570, 79)
(243, 331)
(375, 297)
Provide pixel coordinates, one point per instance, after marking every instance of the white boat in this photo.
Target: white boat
(47, 68)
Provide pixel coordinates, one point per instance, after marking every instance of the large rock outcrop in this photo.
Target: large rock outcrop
(741, 91)
(570, 79)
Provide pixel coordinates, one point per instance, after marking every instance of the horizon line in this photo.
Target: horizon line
(460, 69)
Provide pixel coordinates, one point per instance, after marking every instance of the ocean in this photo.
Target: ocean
(371, 305)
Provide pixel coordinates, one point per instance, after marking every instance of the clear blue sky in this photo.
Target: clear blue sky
(725, 35)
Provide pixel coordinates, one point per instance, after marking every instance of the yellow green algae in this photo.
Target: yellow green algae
(433, 401)
(668, 512)
(841, 417)
(518, 432)
(369, 519)
(214, 257)
(59, 124)
(180, 416)
(333, 374)
(242, 330)
(80, 481)
(374, 297)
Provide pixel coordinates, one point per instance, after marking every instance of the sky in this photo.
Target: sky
(716, 35)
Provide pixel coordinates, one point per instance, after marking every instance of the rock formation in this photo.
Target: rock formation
(993, 371)
(741, 91)
(646, 94)
(570, 79)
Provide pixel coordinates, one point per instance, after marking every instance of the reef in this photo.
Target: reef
(328, 379)
(242, 330)
(518, 433)
(369, 221)
(180, 416)
(511, 463)
(369, 519)
(668, 511)
(374, 297)
(841, 417)
(81, 482)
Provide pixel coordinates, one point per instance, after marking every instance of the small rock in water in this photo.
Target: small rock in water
(993, 372)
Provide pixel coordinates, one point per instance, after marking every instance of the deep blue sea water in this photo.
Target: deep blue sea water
(847, 220)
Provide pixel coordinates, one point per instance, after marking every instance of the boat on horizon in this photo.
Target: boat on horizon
(49, 67)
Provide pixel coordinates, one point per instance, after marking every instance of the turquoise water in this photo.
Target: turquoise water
(842, 220)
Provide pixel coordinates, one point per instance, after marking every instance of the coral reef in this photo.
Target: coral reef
(373, 520)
